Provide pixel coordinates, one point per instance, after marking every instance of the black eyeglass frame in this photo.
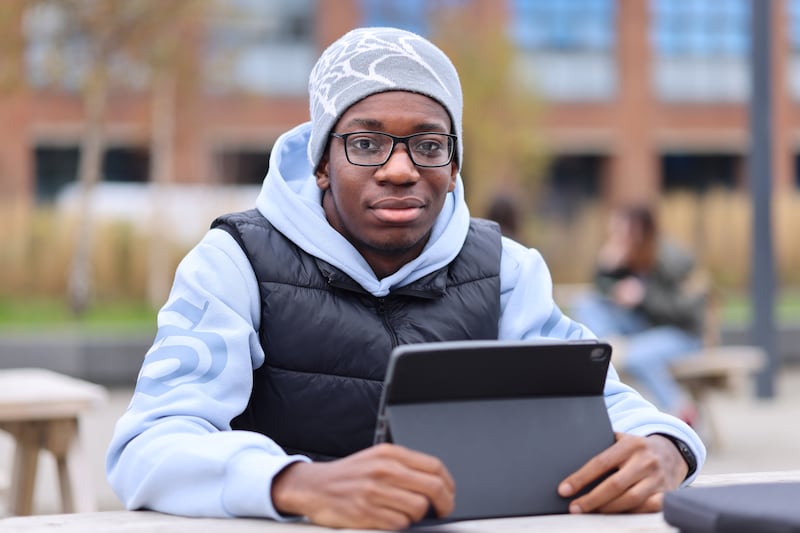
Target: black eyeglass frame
(398, 139)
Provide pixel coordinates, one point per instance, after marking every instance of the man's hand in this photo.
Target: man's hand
(643, 468)
(383, 487)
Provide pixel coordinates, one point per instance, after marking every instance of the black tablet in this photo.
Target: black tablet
(510, 419)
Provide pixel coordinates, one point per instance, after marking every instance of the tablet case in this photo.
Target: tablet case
(510, 420)
(745, 508)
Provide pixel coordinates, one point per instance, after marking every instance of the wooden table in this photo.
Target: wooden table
(148, 522)
(41, 410)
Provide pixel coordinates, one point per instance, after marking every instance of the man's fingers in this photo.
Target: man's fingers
(436, 485)
(426, 489)
(598, 466)
(372, 518)
(390, 519)
(437, 492)
(386, 487)
(425, 463)
(653, 504)
(634, 499)
(603, 494)
(412, 505)
(421, 475)
(636, 485)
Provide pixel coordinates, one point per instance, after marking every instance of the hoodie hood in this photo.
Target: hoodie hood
(292, 202)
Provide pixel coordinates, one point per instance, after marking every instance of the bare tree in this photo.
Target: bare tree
(118, 43)
(505, 150)
(169, 60)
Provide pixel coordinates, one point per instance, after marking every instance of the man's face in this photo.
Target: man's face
(386, 212)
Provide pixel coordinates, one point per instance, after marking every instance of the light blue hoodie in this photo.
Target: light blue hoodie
(173, 450)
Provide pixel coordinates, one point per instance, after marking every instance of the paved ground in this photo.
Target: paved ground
(757, 435)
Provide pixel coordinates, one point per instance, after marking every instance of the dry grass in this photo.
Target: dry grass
(36, 253)
(715, 227)
(36, 246)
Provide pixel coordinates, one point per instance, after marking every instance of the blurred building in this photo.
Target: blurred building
(641, 96)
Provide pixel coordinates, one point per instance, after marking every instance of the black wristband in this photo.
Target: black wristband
(685, 451)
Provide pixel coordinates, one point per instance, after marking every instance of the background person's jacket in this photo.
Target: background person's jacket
(172, 450)
(667, 299)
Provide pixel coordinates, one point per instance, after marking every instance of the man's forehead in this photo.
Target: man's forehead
(375, 111)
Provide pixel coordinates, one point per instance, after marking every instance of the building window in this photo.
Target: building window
(57, 52)
(57, 166)
(571, 181)
(126, 164)
(575, 25)
(50, 45)
(701, 49)
(700, 173)
(242, 166)
(412, 15)
(409, 15)
(566, 47)
(262, 46)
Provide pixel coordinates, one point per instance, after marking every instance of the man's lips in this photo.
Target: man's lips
(398, 210)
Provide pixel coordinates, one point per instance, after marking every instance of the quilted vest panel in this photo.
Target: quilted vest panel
(327, 341)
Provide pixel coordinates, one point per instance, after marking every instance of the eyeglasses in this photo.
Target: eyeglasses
(374, 148)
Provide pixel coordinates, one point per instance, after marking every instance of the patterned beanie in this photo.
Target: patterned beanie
(367, 61)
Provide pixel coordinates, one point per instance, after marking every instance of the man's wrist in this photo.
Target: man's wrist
(685, 451)
(285, 499)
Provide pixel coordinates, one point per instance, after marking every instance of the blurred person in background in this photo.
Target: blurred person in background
(646, 305)
(504, 210)
(259, 396)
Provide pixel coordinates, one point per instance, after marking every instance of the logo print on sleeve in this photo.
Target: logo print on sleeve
(182, 355)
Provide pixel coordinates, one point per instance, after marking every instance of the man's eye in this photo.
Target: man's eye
(428, 147)
(365, 144)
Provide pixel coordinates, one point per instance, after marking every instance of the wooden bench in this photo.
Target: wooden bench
(41, 410)
(715, 367)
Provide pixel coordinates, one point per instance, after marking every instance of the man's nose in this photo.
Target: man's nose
(399, 168)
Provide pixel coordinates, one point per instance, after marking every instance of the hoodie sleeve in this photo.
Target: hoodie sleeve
(528, 311)
(172, 450)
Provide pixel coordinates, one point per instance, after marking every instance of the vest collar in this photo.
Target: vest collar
(430, 286)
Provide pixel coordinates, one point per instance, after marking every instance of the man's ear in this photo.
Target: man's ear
(453, 174)
(322, 173)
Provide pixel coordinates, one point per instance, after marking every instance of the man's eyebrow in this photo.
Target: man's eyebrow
(367, 123)
(430, 126)
(377, 125)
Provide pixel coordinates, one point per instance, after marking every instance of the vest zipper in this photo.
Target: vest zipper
(385, 319)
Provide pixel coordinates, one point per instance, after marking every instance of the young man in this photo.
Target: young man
(259, 395)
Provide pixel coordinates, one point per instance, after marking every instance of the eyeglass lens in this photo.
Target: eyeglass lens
(375, 148)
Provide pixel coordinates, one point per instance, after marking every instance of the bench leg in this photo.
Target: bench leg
(712, 435)
(77, 492)
(28, 437)
(61, 438)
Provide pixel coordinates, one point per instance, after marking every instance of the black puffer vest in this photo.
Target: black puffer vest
(327, 341)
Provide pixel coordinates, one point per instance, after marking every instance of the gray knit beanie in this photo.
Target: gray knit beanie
(367, 61)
